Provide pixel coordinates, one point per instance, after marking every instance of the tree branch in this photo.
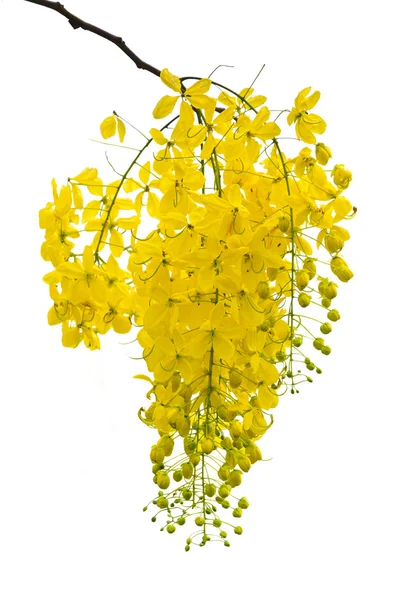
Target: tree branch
(77, 23)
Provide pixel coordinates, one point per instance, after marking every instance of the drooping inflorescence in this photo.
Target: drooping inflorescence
(230, 288)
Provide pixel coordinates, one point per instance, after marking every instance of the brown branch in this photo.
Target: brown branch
(76, 23)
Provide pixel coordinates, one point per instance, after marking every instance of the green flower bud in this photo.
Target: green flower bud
(327, 288)
(187, 494)
(236, 428)
(326, 328)
(210, 490)
(340, 269)
(170, 528)
(217, 522)
(265, 326)
(333, 315)
(157, 454)
(237, 513)
(326, 350)
(326, 302)
(235, 479)
(224, 472)
(304, 299)
(175, 382)
(177, 475)
(263, 290)
(224, 490)
(181, 521)
(297, 341)
(234, 379)
(162, 502)
(195, 459)
(187, 470)
(207, 445)
(199, 521)
(223, 534)
(187, 548)
(281, 356)
(238, 530)
(318, 343)
(283, 223)
(226, 543)
(163, 480)
(272, 273)
(342, 177)
(243, 503)
(244, 463)
(156, 468)
(311, 366)
(225, 503)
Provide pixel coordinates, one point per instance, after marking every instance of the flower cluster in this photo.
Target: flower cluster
(244, 242)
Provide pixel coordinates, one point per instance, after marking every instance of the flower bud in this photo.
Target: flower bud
(187, 494)
(235, 478)
(326, 350)
(177, 475)
(263, 290)
(318, 343)
(284, 223)
(297, 341)
(326, 302)
(238, 530)
(224, 472)
(199, 521)
(265, 326)
(342, 177)
(302, 278)
(237, 513)
(326, 328)
(187, 470)
(244, 463)
(181, 520)
(243, 503)
(333, 243)
(195, 459)
(207, 445)
(210, 490)
(224, 490)
(157, 454)
(323, 154)
(223, 534)
(333, 315)
(162, 502)
(170, 528)
(167, 444)
(340, 269)
(310, 266)
(236, 428)
(175, 382)
(217, 522)
(163, 480)
(234, 379)
(304, 299)
(327, 288)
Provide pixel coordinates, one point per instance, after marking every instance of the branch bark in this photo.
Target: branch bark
(77, 23)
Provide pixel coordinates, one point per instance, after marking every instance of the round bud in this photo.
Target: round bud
(310, 266)
(217, 522)
(304, 299)
(284, 223)
(226, 543)
(265, 326)
(318, 343)
(237, 513)
(263, 290)
(244, 463)
(225, 504)
(207, 445)
(326, 350)
(326, 328)
(234, 379)
(238, 530)
(302, 278)
(162, 502)
(175, 382)
(326, 302)
(187, 548)
(297, 341)
(187, 470)
(281, 356)
(170, 528)
(236, 428)
(224, 472)
(333, 315)
(224, 490)
(210, 490)
(181, 521)
(243, 503)
(177, 475)
(333, 243)
(223, 534)
(163, 480)
(323, 153)
(199, 521)
(235, 479)
(187, 494)
(195, 459)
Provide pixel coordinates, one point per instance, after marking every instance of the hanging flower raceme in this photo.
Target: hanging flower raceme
(244, 255)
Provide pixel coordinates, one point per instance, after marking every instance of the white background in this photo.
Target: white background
(74, 465)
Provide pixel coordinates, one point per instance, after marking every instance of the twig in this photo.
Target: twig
(76, 23)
